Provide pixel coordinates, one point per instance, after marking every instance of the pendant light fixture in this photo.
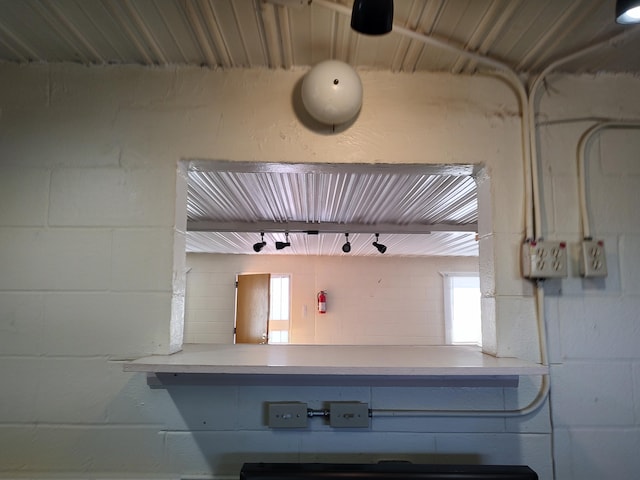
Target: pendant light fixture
(381, 248)
(346, 248)
(260, 245)
(372, 17)
(628, 11)
(332, 92)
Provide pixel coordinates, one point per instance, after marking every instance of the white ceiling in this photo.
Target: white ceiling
(228, 206)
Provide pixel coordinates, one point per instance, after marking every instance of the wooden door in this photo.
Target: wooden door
(252, 308)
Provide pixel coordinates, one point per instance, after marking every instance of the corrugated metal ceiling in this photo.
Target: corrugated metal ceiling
(417, 209)
(525, 34)
(331, 198)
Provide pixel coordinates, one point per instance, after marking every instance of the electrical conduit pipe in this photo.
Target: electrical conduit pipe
(510, 76)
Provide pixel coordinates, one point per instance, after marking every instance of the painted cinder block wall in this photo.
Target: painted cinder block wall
(87, 238)
(594, 324)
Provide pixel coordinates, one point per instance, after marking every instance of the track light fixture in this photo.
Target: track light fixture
(381, 248)
(346, 248)
(372, 17)
(260, 245)
(628, 11)
(281, 245)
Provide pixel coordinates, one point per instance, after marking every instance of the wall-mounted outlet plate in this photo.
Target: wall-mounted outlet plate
(349, 414)
(593, 262)
(287, 415)
(544, 259)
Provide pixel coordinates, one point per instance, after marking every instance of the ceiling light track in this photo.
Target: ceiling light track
(328, 227)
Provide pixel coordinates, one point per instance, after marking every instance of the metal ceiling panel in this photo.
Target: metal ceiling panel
(526, 35)
(342, 198)
(226, 210)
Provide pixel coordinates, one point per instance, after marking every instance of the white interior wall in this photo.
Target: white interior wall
(87, 238)
(593, 323)
(371, 300)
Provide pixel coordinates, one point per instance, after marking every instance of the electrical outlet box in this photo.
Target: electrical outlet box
(593, 262)
(349, 414)
(287, 415)
(544, 259)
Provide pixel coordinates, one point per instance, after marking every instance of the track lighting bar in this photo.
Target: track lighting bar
(316, 228)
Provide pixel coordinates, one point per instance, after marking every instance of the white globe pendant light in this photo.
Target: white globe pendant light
(332, 92)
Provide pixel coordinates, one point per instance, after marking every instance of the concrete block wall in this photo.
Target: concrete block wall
(593, 323)
(89, 230)
(372, 300)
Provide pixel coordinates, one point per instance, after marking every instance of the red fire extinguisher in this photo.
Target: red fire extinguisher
(322, 302)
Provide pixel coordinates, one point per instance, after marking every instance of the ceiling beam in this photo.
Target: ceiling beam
(325, 227)
(202, 165)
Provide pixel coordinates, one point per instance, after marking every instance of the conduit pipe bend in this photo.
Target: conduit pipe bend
(503, 71)
(510, 76)
(583, 144)
(532, 407)
(538, 81)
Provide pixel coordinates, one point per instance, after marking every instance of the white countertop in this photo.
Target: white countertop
(323, 360)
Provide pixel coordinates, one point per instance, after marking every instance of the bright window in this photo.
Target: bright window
(279, 308)
(462, 309)
(278, 336)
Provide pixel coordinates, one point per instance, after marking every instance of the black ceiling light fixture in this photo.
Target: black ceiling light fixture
(372, 17)
(260, 245)
(346, 248)
(628, 11)
(381, 248)
(286, 243)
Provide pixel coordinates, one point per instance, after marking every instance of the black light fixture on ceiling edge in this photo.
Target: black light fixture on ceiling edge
(260, 245)
(381, 248)
(286, 243)
(372, 17)
(346, 248)
(628, 11)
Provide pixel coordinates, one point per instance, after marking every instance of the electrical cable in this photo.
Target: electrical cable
(533, 211)
(583, 144)
(539, 80)
(503, 71)
(532, 407)
(510, 76)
